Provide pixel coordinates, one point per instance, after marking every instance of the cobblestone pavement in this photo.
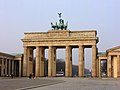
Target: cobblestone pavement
(60, 84)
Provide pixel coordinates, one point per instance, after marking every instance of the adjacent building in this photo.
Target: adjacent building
(11, 64)
(112, 59)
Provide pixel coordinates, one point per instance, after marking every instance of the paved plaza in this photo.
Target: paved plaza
(85, 84)
(60, 84)
(25, 83)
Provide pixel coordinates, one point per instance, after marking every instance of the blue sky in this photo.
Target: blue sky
(19, 16)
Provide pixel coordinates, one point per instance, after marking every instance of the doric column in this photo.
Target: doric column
(37, 67)
(50, 61)
(118, 65)
(93, 60)
(2, 69)
(20, 68)
(81, 61)
(30, 57)
(109, 66)
(99, 66)
(54, 61)
(70, 55)
(42, 57)
(115, 67)
(9, 67)
(6, 67)
(68, 64)
(28, 61)
(15, 68)
(12, 67)
(25, 61)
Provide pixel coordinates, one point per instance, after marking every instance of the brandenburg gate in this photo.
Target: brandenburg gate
(58, 37)
(52, 40)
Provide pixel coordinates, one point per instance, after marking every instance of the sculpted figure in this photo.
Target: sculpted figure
(60, 25)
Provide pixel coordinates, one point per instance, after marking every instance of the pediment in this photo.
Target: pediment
(114, 49)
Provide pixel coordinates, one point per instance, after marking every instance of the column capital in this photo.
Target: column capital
(50, 46)
(109, 57)
(80, 45)
(67, 46)
(118, 56)
(37, 47)
(25, 46)
(94, 45)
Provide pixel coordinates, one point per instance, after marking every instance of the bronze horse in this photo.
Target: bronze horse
(60, 26)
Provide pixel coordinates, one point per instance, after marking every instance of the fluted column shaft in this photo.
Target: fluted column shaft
(6, 67)
(25, 62)
(54, 62)
(30, 59)
(20, 68)
(81, 61)
(42, 61)
(114, 68)
(13, 69)
(37, 67)
(70, 55)
(68, 64)
(118, 65)
(2, 69)
(93, 60)
(9, 67)
(50, 61)
(99, 66)
(109, 63)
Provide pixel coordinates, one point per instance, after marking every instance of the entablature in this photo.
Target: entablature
(60, 38)
(60, 34)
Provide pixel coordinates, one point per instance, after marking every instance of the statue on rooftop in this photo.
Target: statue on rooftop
(60, 25)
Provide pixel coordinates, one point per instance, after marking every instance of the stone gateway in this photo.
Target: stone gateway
(52, 40)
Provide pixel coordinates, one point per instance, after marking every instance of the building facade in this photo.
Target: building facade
(106, 64)
(52, 40)
(10, 64)
(112, 58)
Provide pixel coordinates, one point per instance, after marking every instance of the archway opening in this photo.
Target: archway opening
(46, 63)
(87, 62)
(75, 62)
(103, 68)
(34, 59)
(60, 62)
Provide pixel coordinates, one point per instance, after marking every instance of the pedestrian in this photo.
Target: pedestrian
(12, 75)
(33, 76)
(30, 76)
